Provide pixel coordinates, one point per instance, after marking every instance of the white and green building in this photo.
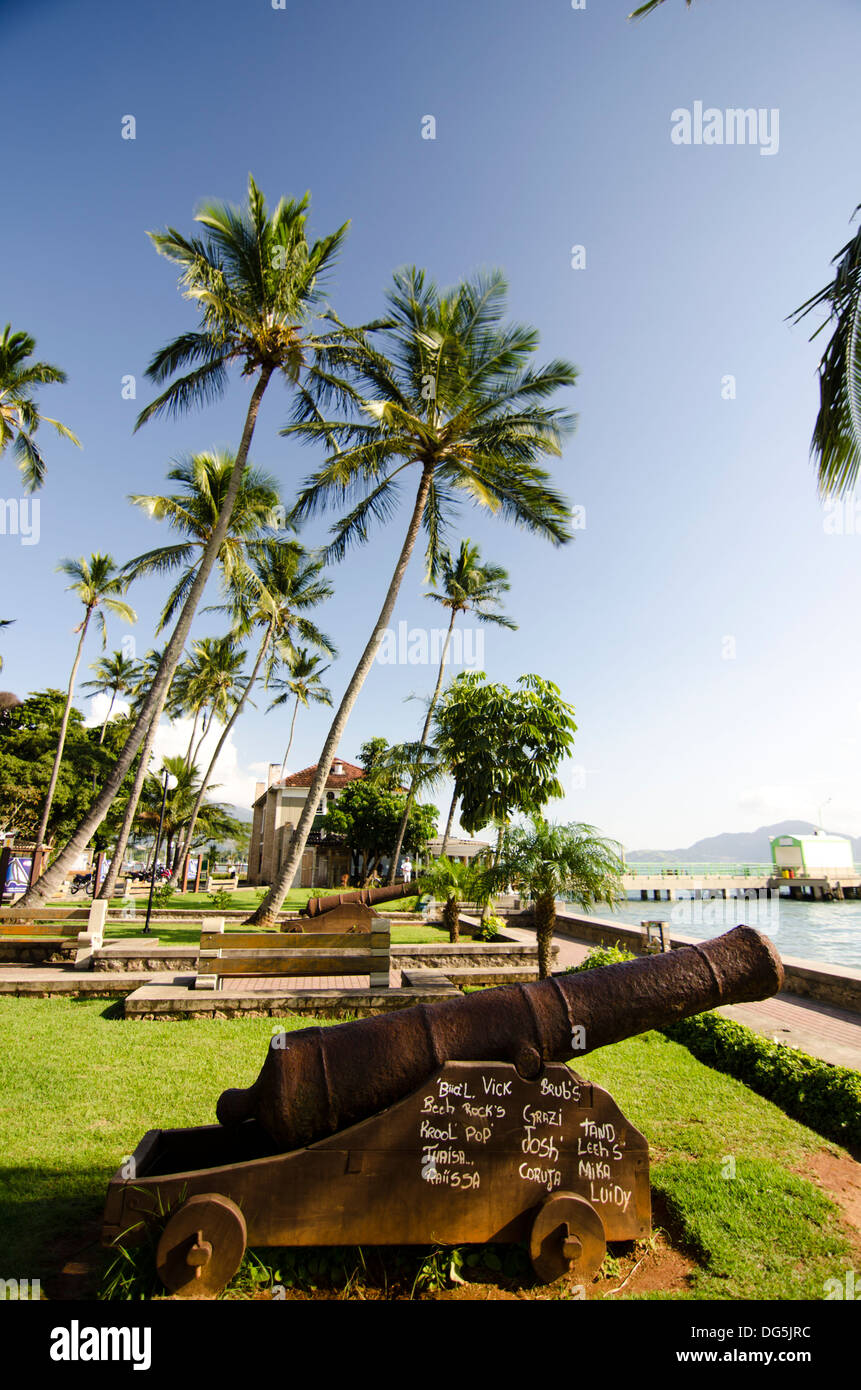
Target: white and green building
(812, 856)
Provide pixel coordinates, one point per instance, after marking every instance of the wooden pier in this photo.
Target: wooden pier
(666, 886)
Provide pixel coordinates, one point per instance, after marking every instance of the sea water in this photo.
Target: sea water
(827, 932)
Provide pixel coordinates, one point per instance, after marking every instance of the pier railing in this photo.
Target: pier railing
(643, 870)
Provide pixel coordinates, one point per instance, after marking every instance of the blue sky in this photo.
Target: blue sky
(704, 535)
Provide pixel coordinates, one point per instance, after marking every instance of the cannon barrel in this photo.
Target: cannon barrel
(317, 1081)
(317, 907)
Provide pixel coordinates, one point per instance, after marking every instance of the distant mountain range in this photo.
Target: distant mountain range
(743, 847)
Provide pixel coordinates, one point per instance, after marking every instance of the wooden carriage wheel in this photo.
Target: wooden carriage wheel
(567, 1236)
(201, 1246)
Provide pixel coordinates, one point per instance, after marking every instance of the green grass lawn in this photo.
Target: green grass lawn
(80, 1087)
(243, 897)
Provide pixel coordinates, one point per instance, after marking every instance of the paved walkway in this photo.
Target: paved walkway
(819, 1029)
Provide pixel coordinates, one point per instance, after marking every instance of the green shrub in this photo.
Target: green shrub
(220, 897)
(825, 1098)
(489, 929)
(162, 894)
(601, 955)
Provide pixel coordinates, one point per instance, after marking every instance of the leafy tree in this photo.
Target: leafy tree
(20, 417)
(381, 768)
(29, 734)
(366, 817)
(454, 401)
(98, 584)
(256, 281)
(546, 861)
(506, 745)
(468, 586)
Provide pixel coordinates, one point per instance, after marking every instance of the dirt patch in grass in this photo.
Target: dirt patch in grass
(839, 1176)
(79, 1261)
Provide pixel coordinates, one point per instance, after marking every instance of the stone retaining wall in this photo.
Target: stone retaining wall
(38, 952)
(465, 955)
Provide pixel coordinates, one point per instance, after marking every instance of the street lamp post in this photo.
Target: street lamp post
(169, 782)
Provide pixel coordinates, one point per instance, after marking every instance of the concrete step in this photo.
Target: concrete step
(161, 1001)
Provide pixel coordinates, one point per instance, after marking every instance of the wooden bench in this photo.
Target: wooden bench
(350, 940)
(230, 883)
(29, 924)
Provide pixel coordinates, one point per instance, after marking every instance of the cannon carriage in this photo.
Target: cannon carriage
(452, 1123)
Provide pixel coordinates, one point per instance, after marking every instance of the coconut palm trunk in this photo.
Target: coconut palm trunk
(58, 756)
(46, 886)
(451, 918)
(204, 730)
(110, 882)
(184, 846)
(192, 738)
(271, 904)
(107, 717)
(544, 916)
(290, 739)
(449, 822)
(402, 829)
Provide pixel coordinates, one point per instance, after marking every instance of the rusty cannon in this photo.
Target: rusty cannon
(450, 1123)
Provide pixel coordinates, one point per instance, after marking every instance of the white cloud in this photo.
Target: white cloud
(236, 784)
(99, 705)
(231, 783)
(779, 801)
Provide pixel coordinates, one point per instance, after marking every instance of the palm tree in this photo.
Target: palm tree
(256, 282)
(116, 674)
(303, 684)
(98, 583)
(177, 804)
(212, 682)
(457, 402)
(192, 512)
(20, 417)
(215, 685)
(649, 6)
(548, 861)
(280, 585)
(147, 672)
(836, 443)
(467, 587)
(451, 880)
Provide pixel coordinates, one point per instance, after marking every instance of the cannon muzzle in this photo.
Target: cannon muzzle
(318, 1081)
